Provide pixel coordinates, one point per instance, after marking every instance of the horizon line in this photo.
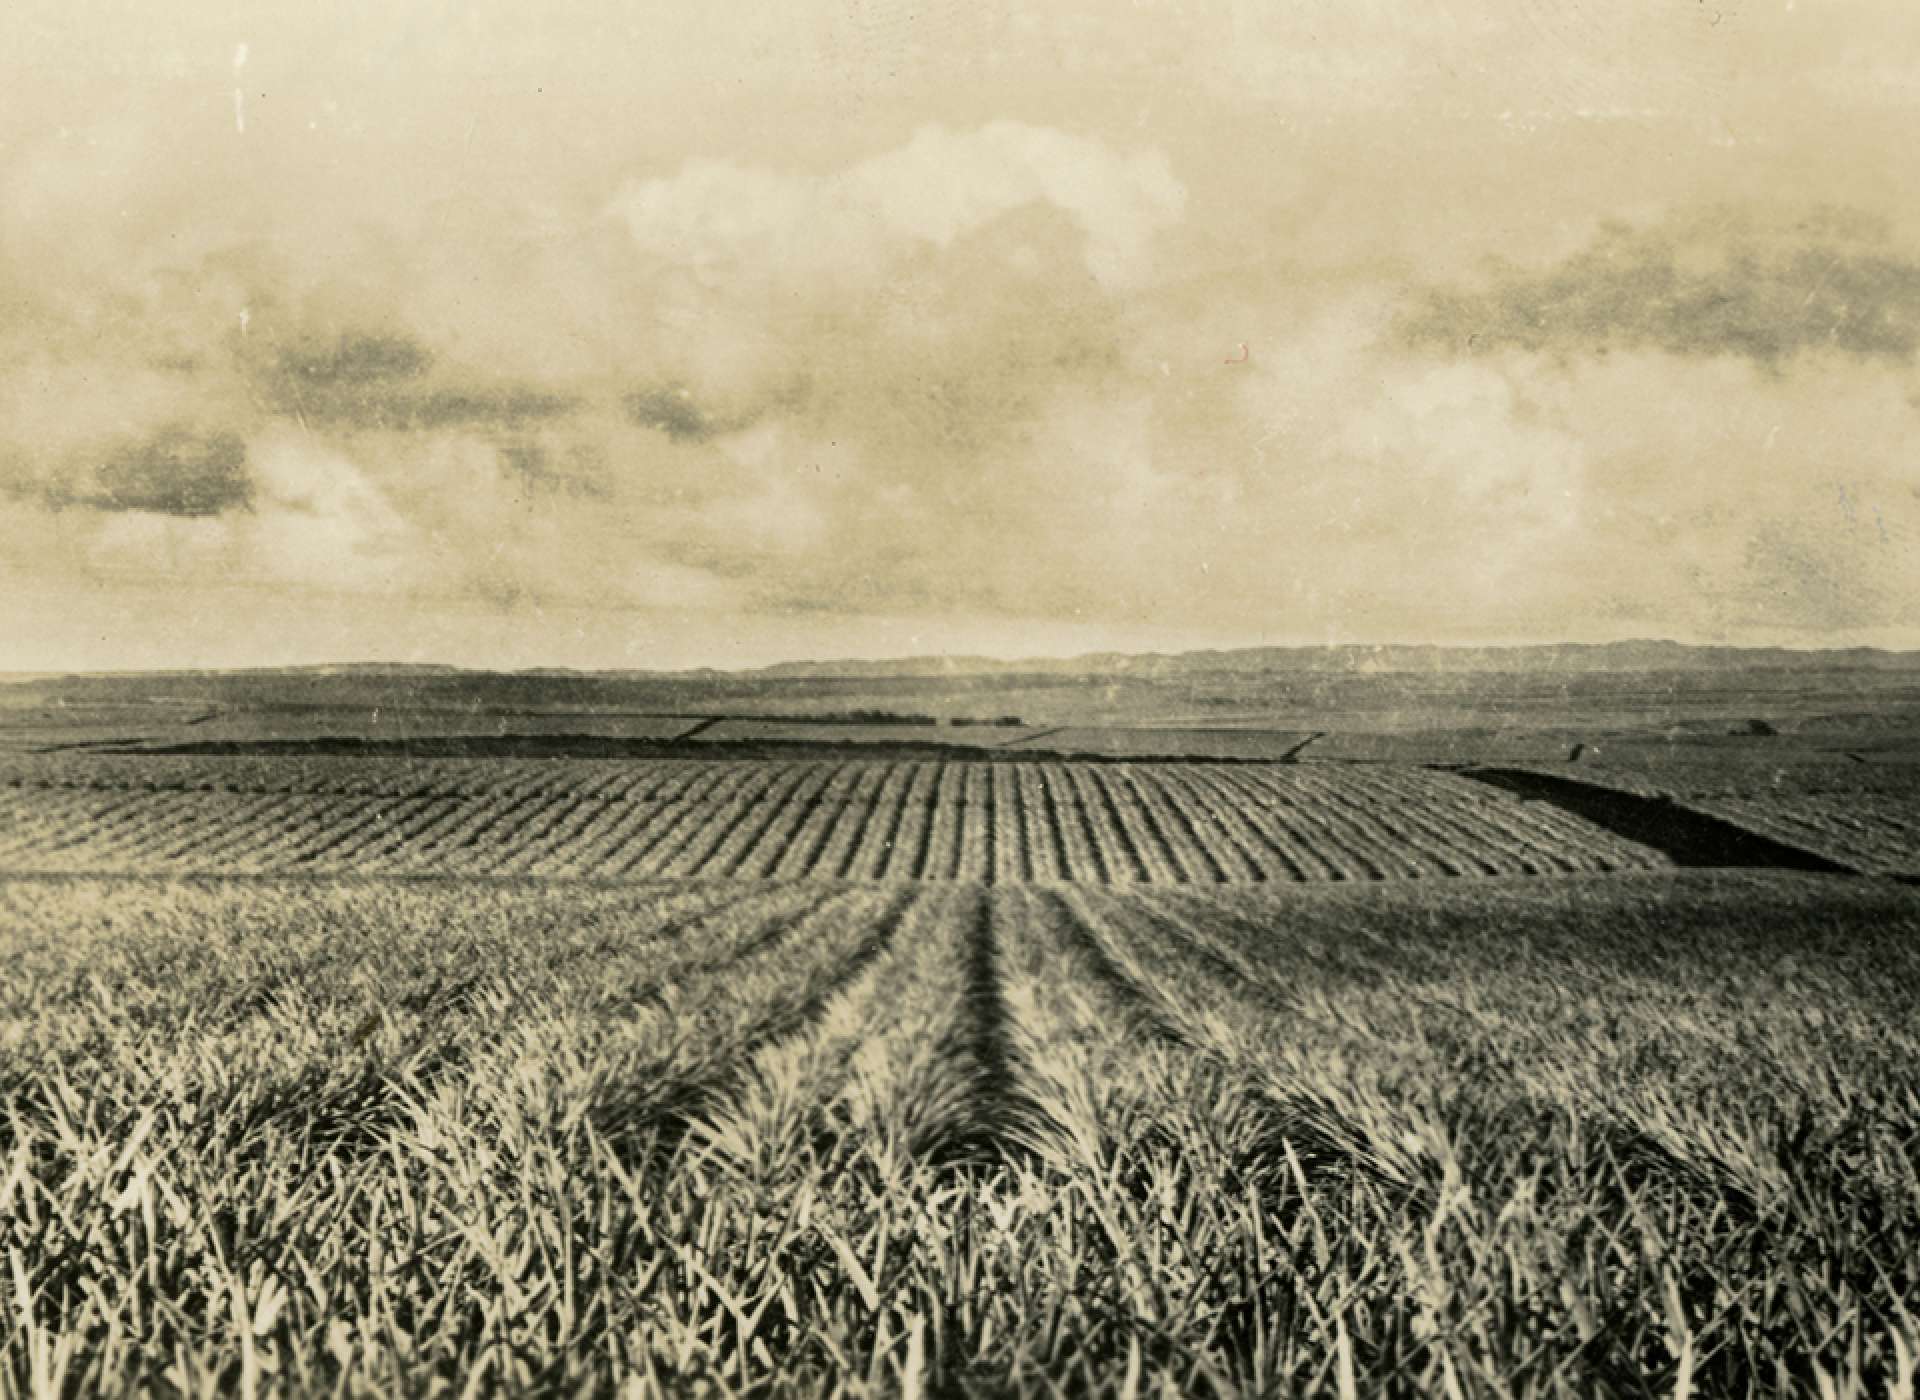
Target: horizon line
(935, 658)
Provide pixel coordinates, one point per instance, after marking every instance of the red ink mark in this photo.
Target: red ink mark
(1243, 356)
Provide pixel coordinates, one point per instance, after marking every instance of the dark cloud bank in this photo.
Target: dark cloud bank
(375, 383)
(351, 383)
(179, 470)
(1707, 287)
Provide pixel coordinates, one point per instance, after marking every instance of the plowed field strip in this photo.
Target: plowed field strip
(573, 850)
(1265, 846)
(1872, 832)
(1083, 857)
(1391, 845)
(717, 849)
(534, 821)
(291, 828)
(1223, 859)
(1135, 808)
(107, 820)
(574, 818)
(122, 830)
(1194, 841)
(707, 821)
(1380, 831)
(1230, 847)
(1451, 833)
(659, 824)
(1685, 835)
(1465, 822)
(414, 819)
(907, 855)
(940, 839)
(1571, 842)
(817, 814)
(1280, 807)
(766, 839)
(870, 859)
(347, 833)
(31, 820)
(910, 819)
(1010, 860)
(1108, 831)
(853, 825)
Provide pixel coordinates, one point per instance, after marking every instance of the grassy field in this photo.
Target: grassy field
(1170, 741)
(1536, 711)
(1636, 1134)
(971, 736)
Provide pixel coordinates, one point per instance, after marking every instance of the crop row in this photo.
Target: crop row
(853, 820)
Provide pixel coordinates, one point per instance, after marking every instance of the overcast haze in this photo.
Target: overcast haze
(667, 334)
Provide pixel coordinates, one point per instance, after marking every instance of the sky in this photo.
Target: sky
(664, 335)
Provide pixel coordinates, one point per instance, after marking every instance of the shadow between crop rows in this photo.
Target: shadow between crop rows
(1683, 835)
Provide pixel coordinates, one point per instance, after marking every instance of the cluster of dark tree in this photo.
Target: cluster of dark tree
(1002, 721)
(850, 717)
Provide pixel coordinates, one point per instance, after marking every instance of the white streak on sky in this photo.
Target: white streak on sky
(239, 97)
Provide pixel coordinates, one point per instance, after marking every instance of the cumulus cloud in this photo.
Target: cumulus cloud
(313, 521)
(1789, 507)
(722, 221)
(1719, 285)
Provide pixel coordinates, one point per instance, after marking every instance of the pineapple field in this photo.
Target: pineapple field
(365, 1077)
(863, 819)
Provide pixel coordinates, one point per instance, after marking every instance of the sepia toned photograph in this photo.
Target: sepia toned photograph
(934, 698)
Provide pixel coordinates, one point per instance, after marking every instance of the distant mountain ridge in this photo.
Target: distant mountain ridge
(1344, 659)
(1358, 658)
